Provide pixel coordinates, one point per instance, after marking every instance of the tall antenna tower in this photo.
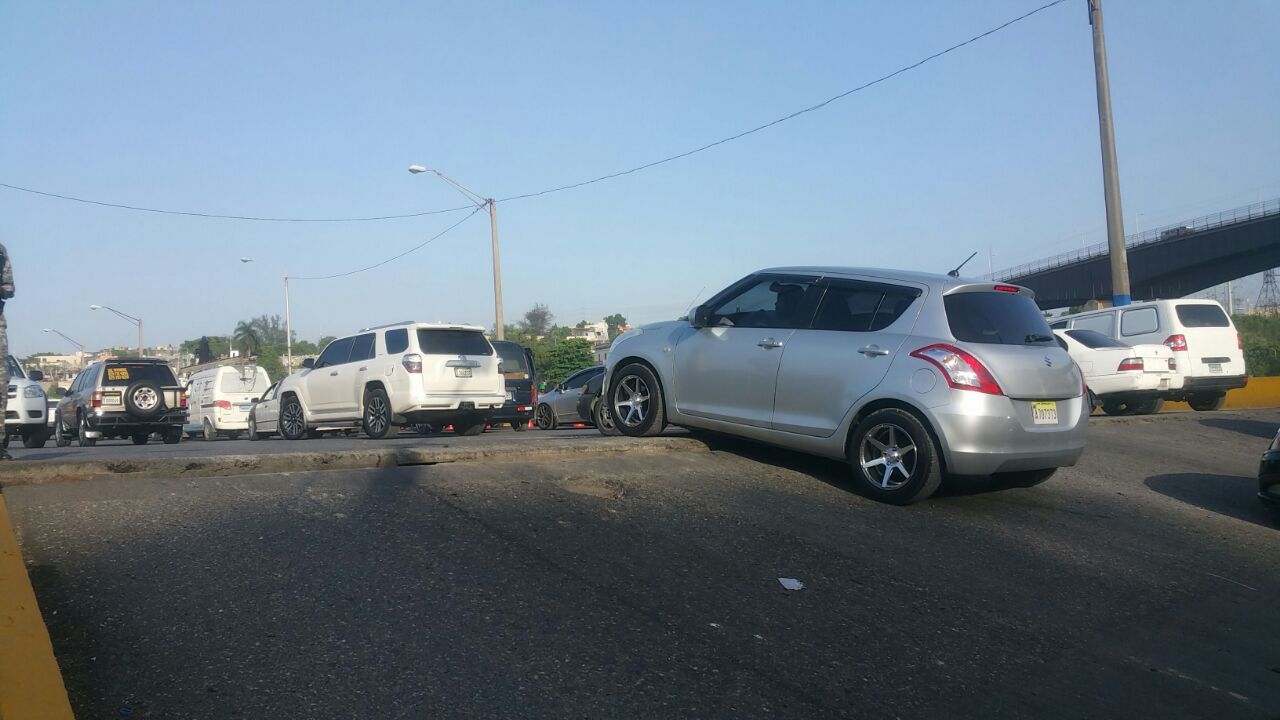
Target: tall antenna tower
(1269, 298)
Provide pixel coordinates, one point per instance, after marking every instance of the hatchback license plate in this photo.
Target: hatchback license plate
(462, 372)
(1044, 413)
(1215, 367)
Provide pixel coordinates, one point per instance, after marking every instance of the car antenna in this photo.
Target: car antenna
(956, 272)
(695, 299)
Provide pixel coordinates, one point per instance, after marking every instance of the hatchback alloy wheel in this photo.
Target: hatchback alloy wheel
(632, 400)
(888, 457)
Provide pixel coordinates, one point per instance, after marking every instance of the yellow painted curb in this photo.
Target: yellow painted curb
(30, 684)
(1261, 392)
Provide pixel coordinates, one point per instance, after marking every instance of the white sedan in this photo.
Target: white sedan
(1123, 379)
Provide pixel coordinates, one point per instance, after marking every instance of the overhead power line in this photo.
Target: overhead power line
(413, 249)
(571, 186)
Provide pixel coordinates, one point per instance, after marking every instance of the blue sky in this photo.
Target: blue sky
(316, 109)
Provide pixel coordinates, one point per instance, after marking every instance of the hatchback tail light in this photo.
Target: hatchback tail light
(962, 370)
(1130, 364)
(1176, 343)
(97, 399)
(412, 363)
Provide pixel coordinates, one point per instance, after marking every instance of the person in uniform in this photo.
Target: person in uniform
(6, 292)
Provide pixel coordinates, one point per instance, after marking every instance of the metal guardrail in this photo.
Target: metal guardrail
(1258, 210)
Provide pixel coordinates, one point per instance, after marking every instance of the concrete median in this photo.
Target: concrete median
(226, 465)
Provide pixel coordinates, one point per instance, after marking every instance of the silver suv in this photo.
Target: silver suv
(133, 398)
(904, 375)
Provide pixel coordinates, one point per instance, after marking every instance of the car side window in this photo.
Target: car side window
(397, 341)
(336, 353)
(771, 302)
(1139, 322)
(860, 307)
(362, 347)
(1105, 324)
(580, 379)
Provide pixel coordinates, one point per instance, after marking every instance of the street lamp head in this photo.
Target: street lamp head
(95, 307)
(246, 259)
(415, 169)
(47, 330)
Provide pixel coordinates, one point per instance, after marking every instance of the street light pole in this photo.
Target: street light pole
(1120, 294)
(142, 349)
(80, 357)
(480, 202)
(288, 330)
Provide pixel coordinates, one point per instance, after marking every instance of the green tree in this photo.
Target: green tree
(1260, 336)
(565, 358)
(204, 350)
(305, 347)
(269, 360)
(538, 319)
(325, 340)
(247, 338)
(615, 322)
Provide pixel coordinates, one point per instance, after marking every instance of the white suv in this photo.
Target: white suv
(404, 374)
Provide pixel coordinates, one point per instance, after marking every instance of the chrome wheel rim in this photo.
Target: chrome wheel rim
(631, 401)
(291, 420)
(887, 456)
(375, 415)
(146, 398)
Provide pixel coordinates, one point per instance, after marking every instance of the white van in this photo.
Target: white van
(218, 400)
(1205, 344)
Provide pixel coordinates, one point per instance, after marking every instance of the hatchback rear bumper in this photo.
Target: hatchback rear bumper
(985, 434)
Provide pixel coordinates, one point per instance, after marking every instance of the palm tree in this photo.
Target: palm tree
(247, 338)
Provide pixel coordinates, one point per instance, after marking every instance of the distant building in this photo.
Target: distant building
(596, 332)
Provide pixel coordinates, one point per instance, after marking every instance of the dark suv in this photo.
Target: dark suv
(516, 366)
(130, 398)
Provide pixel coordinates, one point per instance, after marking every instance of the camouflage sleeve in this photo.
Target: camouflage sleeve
(6, 275)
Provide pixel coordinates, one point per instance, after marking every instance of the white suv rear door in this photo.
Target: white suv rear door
(458, 362)
(1213, 347)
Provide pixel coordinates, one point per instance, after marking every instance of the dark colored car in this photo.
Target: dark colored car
(122, 398)
(594, 412)
(516, 365)
(1269, 475)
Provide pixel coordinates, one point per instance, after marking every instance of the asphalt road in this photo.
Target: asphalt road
(1142, 583)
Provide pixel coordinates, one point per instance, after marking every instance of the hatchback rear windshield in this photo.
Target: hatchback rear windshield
(513, 357)
(453, 342)
(244, 381)
(996, 318)
(1197, 316)
(1094, 339)
(129, 373)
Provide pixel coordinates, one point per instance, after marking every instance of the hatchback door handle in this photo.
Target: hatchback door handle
(873, 351)
(769, 343)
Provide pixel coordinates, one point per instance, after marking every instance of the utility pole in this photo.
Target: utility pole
(497, 270)
(288, 330)
(1120, 294)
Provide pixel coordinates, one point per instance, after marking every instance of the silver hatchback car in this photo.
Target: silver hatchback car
(907, 376)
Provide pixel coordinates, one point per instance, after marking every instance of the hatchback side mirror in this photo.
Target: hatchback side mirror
(701, 316)
(308, 364)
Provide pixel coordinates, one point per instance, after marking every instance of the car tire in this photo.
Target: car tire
(635, 401)
(36, 439)
(1206, 402)
(1025, 478)
(520, 426)
(253, 430)
(207, 429)
(173, 436)
(1119, 408)
(82, 434)
(603, 420)
(293, 422)
(469, 427)
(1093, 402)
(60, 437)
(888, 471)
(377, 414)
(140, 438)
(1149, 407)
(544, 418)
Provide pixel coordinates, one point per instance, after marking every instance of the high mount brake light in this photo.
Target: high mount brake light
(962, 370)
(1007, 288)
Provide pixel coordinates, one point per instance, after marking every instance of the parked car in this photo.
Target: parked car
(594, 412)
(264, 416)
(1205, 344)
(404, 374)
(1123, 379)
(904, 375)
(1269, 475)
(219, 399)
(515, 362)
(130, 398)
(26, 412)
(560, 403)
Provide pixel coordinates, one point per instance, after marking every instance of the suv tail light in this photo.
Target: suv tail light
(1130, 364)
(962, 370)
(182, 398)
(1176, 343)
(97, 399)
(412, 363)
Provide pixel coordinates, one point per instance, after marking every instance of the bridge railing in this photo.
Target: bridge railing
(1255, 211)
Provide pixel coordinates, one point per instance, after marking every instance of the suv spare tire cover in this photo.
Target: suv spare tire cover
(144, 398)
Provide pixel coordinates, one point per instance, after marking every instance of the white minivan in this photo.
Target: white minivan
(218, 400)
(1205, 344)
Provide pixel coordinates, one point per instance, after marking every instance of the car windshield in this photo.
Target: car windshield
(513, 357)
(1198, 316)
(996, 318)
(448, 341)
(15, 370)
(1093, 339)
(129, 373)
(248, 380)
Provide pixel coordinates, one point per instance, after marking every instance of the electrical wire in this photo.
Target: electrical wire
(231, 217)
(413, 249)
(602, 178)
